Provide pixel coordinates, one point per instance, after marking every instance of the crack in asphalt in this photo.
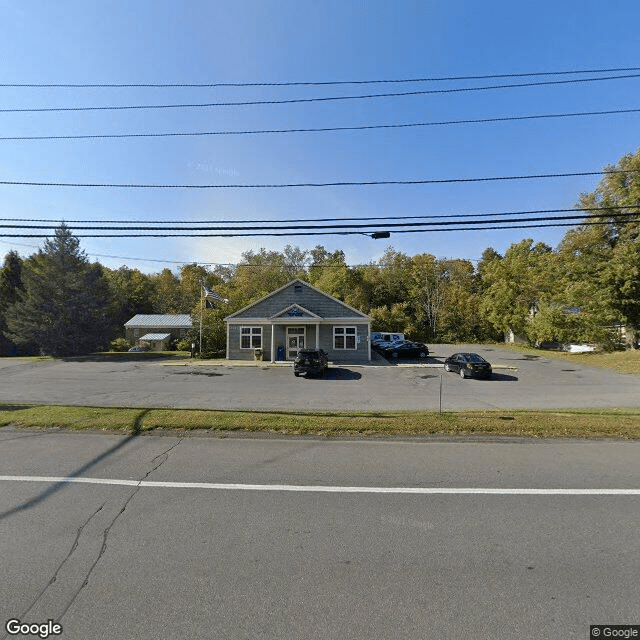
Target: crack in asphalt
(164, 453)
(54, 577)
(105, 533)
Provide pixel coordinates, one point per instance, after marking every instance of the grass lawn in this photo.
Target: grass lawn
(109, 355)
(620, 361)
(126, 355)
(608, 423)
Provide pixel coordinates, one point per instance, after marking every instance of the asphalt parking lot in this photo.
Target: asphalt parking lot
(518, 382)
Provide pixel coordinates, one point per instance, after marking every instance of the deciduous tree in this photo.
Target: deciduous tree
(514, 286)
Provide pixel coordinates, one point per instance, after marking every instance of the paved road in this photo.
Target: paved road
(126, 561)
(518, 382)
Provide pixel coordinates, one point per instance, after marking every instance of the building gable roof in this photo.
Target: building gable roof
(297, 281)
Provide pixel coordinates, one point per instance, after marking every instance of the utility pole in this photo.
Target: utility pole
(201, 313)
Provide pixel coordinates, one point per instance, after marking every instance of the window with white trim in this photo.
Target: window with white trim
(250, 337)
(344, 338)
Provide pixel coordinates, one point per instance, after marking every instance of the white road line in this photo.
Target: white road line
(326, 488)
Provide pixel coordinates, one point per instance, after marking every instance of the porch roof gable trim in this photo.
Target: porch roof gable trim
(300, 308)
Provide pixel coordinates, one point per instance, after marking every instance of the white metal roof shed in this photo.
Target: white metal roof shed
(160, 321)
(154, 337)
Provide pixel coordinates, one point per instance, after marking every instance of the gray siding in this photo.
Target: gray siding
(360, 354)
(328, 312)
(316, 302)
(236, 353)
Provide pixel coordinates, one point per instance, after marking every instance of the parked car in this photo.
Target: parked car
(468, 365)
(310, 362)
(406, 349)
(138, 350)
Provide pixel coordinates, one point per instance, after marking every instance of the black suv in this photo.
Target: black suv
(311, 362)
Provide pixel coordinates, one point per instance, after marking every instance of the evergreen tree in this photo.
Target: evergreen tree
(63, 303)
(10, 284)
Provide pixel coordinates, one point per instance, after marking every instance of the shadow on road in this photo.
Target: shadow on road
(335, 373)
(504, 377)
(54, 488)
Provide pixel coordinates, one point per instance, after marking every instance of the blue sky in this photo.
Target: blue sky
(251, 41)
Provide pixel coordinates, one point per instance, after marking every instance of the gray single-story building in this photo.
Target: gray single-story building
(159, 330)
(295, 316)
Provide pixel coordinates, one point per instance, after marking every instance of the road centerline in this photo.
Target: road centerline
(220, 486)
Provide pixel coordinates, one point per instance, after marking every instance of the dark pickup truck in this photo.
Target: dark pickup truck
(311, 362)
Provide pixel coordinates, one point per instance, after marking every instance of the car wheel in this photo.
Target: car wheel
(447, 367)
(394, 354)
(423, 354)
(463, 373)
(296, 374)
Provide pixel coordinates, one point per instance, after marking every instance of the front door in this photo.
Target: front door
(295, 341)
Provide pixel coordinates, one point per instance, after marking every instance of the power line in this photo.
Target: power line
(384, 225)
(301, 83)
(230, 265)
(318, 129)
(98, 255)
(623, 218)
(313, 184)
(245, 103)
(55, 223)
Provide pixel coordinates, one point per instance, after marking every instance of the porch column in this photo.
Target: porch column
(317, 335)
(273, 339)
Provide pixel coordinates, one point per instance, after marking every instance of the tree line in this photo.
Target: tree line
(57, 302)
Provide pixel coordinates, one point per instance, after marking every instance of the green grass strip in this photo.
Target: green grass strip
(606, 423)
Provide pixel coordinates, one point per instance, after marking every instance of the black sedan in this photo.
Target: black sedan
(468, 365)
(406, 349)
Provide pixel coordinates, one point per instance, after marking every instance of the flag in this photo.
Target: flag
(209, 294)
